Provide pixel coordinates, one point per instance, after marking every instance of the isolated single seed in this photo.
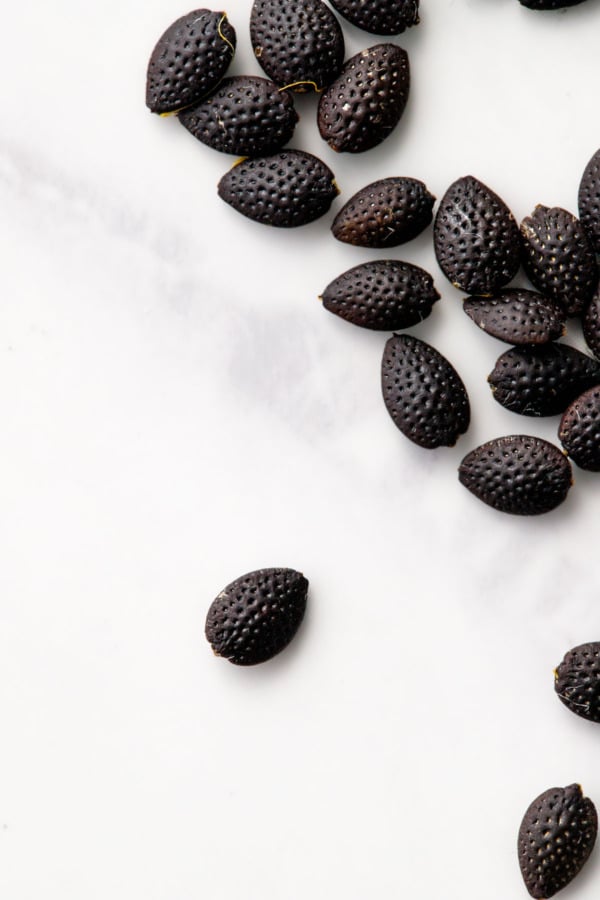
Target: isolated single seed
(577, 681)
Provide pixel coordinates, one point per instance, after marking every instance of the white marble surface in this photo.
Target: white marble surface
(178, 409)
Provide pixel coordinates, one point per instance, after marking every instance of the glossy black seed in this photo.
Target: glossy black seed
(383, 295)
(248, 116)
(591, 324)
(549, 4)
(476, 238)
(257, 615)
(298, 43)
(189, 60)
(379, 16)
(386, 213)
(423, 393)
(517, 474)
(577, 681)
(579, 429)
(287, 189)
(542, 381)
(517, 316)
(556, 837)
(558, 257)
(589, 200)
(364, 104)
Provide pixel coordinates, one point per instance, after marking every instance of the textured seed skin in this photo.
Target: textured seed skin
(475, 237)
(549, 4)
(517, 474)
(286, 189)
(542, 381)
(298, 43)
(577, 681)
(423, 393)
(556, 837)
(589, 200)
(558, 257)
(385, 17)
(383, 295)
(591, 324)
(386, 213)
(517, 316)
(247, 116)
(189, 60)
(579, 429)
(257, 615)
(364, 104)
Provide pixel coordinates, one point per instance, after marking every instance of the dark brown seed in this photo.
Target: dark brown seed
(423, 393)
(556, 837)
(364, 104)
(386, 213)
(379, 16)
(248, 116)
(287, 189)
(589, 200)
(384, 295)
(476, 238)
(577, 681)
(549, 4)
(517, 474)
(579, 429)
(298, 43)
(517, 316)
(257, 615)
(189, 60)
(558, 257)
(591, 324)
(542, 381)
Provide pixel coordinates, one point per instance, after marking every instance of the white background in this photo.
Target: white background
(178, 409)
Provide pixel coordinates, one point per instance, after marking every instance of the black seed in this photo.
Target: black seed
(579, 430)
(556, 837)
(379, 16)
(248, 116)
(257, 615)
(287, 189)
(383, 295)
(298, 43)
(549, 4)
(542, 381)
(577, 681)
(364, 104)
(189, 60)
(517, 474)
(386, 213)
(591, 324)
(589, 200)
(558, 257)
(476, 238)
(423, 393)
(517, 316)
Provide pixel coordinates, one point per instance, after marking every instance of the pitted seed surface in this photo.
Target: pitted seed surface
(257, 615)
(517, 316)
(577, 681)
(476, 238)
(247, 116)
(579, 429)
(558, 257)
(591, 324)
(286, 189)
(423, 393)
(517, 474)
(189, 60)
(364, 104)
(589, 200)
(386, 213)
(383, 295)
(298, 43)
(542, 381)
(385, 17)
(556, 837)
